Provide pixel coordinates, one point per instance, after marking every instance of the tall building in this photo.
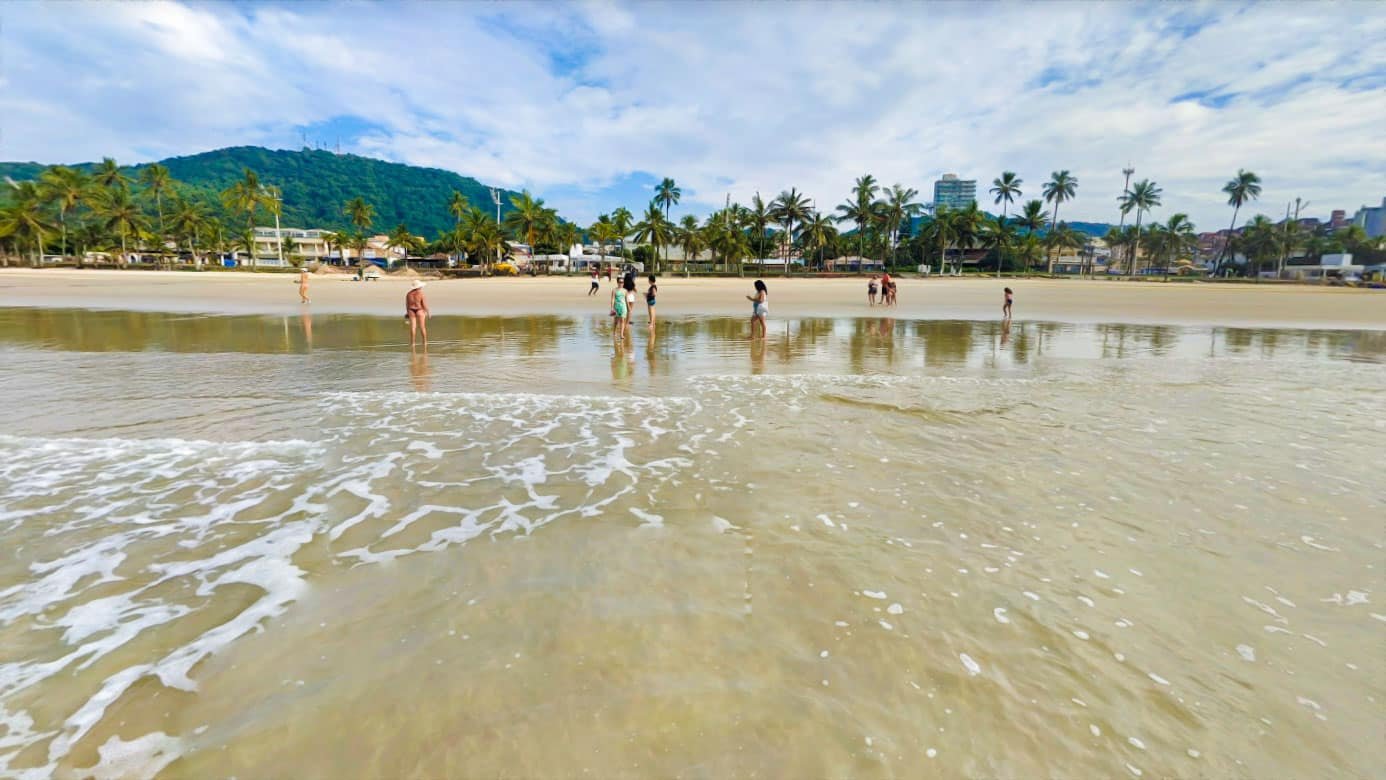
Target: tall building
(954, 193)
(1338, 219)
(1372, 219)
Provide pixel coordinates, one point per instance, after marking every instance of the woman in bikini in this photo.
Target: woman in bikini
(760, 307)
(303, 284)
(416, 312)
(650, 299)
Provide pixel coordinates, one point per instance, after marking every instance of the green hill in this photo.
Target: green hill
(316, 183)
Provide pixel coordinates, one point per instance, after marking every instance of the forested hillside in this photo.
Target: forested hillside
(315, 184)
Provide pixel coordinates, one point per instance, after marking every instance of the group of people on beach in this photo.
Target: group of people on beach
(623, 300)
(623, 303)
(887, 290)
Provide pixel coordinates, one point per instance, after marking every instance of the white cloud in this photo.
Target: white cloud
(762, 96)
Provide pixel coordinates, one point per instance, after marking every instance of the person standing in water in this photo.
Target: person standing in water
(760, 307)
(871, 292)
(303, 285)
(650, 299)
(416, 313)
(1006, 307)
(619, 312)
(629, 285)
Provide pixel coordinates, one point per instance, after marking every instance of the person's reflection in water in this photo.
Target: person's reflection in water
(307, 328)
(621, 363)
(419, 373)
(650, 352)
(757, 357)
(1005, 332)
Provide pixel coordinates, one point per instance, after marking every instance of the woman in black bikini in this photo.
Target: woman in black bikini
(650, 299)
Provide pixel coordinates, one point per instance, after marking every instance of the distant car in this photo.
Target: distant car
(370, 273)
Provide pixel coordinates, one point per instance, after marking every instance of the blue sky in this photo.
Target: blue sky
(589, 104)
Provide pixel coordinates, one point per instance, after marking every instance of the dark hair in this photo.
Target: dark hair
(1009, 290)
(651, 278)
(760, 287)
(630, 282)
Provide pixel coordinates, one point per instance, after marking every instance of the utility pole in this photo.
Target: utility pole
(1131, 259)
(495, 198)
(1285, 250)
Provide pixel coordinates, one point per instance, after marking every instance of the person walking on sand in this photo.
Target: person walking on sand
(416, 313)
(619, 312)
(1006, 307)
(303, 284)
(650, 299)
(871, 292)
(760, 307)
(596, 285)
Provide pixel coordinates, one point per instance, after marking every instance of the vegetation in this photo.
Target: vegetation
(152, 210)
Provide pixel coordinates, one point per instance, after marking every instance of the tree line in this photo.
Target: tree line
(74, 211)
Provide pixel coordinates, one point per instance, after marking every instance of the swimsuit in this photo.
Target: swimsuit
(619, 306)
(759, 308)
(650, 296)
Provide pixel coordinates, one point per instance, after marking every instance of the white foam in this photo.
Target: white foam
(1157, 678)
(895, 609)
(973, 668)
(647, 518)
(1000, 614)
(874, 594)
(1096, 732)
(1246, 652)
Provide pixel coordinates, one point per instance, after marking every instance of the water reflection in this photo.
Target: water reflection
(678, 345)
(419, 374)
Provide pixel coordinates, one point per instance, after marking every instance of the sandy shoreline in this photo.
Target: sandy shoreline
(1069, 300)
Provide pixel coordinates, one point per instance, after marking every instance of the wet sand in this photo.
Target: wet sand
(1068, 300)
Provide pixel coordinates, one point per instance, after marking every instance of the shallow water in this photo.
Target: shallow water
(252, 547)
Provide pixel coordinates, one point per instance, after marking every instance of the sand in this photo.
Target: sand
(1065, 300)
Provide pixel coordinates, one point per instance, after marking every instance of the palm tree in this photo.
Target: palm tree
(1059, 188)
(1179, 238)
(624, 222)
(790, 207)
(897, 207)
(859, 208)
(1143, 196)
(23, 218)
(667, 194)
(361, 214)
(819, 233)
(760, 218)
(526, 218)
(654, 229)
(401, 238)
(121, 215)
(940, 233)
(998, 235)
(108, 174)
(458, 205)
(189, 217)
(157, 181)
(1006, 188)
(1260, 242)
(245, 195)
(1064, 237)
(67, 187)
(1240, 189)
(691, 239)
(967, 227)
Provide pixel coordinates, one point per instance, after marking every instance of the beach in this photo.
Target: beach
(1134, 532)
(1066, 300)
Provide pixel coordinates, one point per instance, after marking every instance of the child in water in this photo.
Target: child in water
(619, 312)
(1006, 308)
(871, 292)
(650, 295)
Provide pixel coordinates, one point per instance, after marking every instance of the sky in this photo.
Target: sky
(589, 104)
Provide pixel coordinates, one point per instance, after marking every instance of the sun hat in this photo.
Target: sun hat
(418, 285)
